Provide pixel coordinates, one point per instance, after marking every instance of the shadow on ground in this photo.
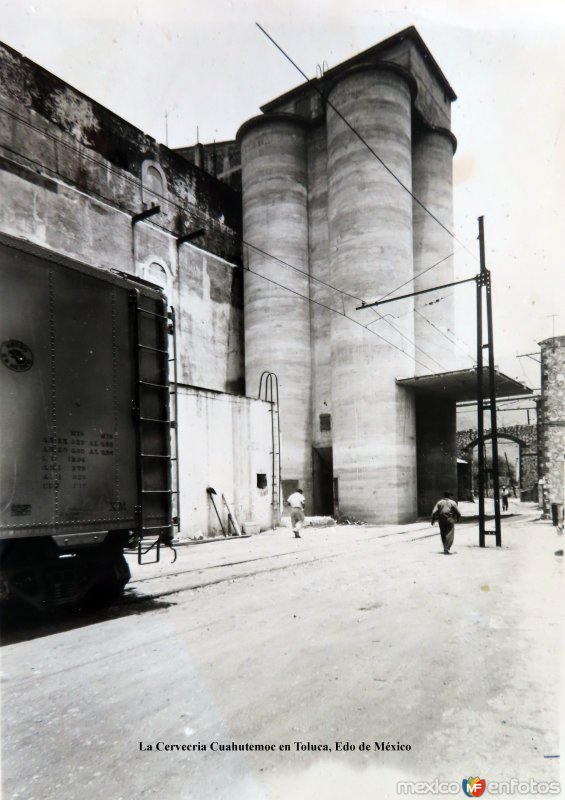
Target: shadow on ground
(21, 624)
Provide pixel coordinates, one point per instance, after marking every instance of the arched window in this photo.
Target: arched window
(156, 271)
(154, 183)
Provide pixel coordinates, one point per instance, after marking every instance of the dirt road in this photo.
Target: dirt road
(349, 635)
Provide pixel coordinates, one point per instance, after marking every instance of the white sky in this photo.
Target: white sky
(207, 65)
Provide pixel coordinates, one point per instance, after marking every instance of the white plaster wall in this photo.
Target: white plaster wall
(224, 442)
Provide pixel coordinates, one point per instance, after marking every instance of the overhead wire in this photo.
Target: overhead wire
(347, 294)
(381, 161)
(166, 198)
(206, 220)
(138, 184)
(451, 341)
(197, 213)
(363, 140)
(336, 311)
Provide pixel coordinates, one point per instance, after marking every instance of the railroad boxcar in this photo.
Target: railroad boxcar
(85, 422)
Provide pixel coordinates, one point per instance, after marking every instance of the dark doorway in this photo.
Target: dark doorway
(322, 474)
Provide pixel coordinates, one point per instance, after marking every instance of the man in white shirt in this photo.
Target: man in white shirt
(296, 502)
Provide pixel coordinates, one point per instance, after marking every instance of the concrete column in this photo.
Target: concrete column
(370, 235)
(432, 184)
(276, 321)
(320, 268)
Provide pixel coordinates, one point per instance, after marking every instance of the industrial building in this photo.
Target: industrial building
(339, 192)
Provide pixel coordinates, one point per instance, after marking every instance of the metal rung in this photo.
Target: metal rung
(153, 349)
(155, 527)
(154, 385)
(156, 491)
(154, 455)
(152, 419)
(151, 313)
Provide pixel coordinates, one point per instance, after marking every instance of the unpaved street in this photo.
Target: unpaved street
(349, 635)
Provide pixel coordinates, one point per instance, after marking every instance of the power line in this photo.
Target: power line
(362, 139)
(419, 274)
(335, 311)
(451, 341)
(347, 294)
(165, 198)
(195, 210)
(207, 220)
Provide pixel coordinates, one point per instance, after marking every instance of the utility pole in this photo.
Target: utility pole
(485, 280)
(480, 280)
(480, 410)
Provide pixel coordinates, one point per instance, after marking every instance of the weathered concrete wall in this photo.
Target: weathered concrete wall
(552, 417)
(220, 159)
(433, 100)
(225, 443)
(60, 115)
(72, 174)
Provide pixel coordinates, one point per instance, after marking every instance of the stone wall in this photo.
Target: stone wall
(552, 417)
(524, 435)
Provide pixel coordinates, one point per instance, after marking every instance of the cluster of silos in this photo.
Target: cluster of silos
(315, 196)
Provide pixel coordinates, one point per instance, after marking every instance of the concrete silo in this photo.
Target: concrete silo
(432, 184)
(277, 320)
(322, 297)
(370, 242)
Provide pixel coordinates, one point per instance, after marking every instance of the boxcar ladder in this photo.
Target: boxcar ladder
(152, 406)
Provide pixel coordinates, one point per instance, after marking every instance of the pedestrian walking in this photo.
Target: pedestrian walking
(296, 502)
(447, 514)
(505, 496)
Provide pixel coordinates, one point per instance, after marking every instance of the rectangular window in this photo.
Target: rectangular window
(325, 422)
